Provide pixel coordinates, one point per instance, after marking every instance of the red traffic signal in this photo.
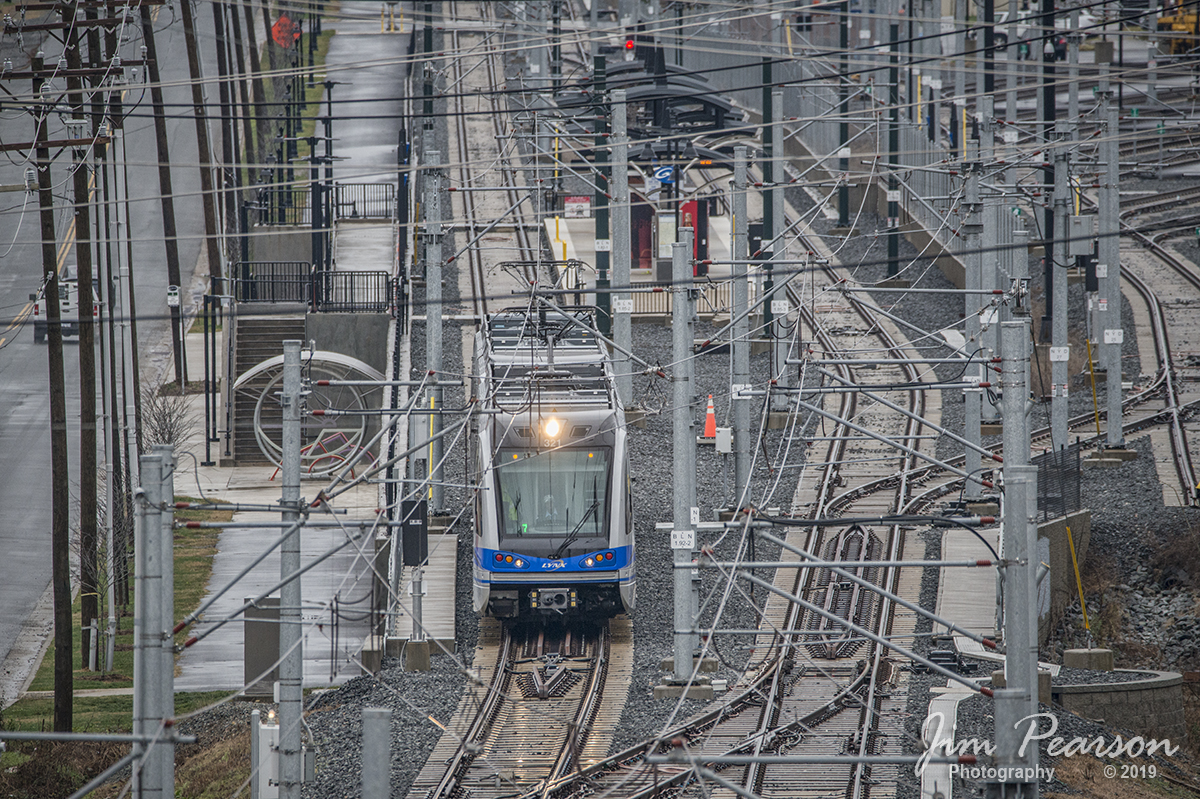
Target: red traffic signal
(629, 44)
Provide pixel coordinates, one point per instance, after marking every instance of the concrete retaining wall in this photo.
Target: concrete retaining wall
(362, 335)
(1059, 590)
(281, 243)
(1152, 707)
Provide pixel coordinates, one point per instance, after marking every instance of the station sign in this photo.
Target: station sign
(577, 207)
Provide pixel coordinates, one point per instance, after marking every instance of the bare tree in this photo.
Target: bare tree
(166, 416)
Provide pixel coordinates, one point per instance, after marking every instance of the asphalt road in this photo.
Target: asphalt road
(25, 477)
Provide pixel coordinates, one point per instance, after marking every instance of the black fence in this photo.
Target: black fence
(291, 205)
(283, 206)
(1058, 482)
(364, 200)
(272, 281)
(320, 290)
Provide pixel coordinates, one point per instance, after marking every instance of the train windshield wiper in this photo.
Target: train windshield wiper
(573, 536)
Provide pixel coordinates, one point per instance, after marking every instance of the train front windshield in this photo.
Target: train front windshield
(553, 503)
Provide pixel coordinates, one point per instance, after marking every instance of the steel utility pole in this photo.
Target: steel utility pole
(165, 678)
(991, 256)
(893, 190)
(973, 269)
(1108, 268)
(167, 195)
(148, 626)
(60, 534)
(740, 346)
(683, 533)
(1018, 549)
(843, 12)
(779, 308)
(1056, 260)
(291, 645)
(768, 177)
(600, 198)
(433, 324)
(622, 300)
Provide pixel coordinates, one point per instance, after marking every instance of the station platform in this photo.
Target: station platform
(967, 597)
(437, 609)
(364, 244)
(575, 239)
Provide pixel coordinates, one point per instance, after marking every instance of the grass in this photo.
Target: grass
(194, 550)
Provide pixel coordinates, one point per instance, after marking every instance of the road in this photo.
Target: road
(25, 476)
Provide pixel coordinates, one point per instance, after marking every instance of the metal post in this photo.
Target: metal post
(960, 75)
(1060, 349)
(291, 665)
(973, 269)
(843, 13)
(779, 343)
(255, 754)
(768, 176)
(433, 324)
(166, 663)
(1073, 39)
(1110, 260)
(683, 535)
(989, 238)
(1010, 705)
(893, 190)
(376, 753)
(147, 622)
(740, 347)
(600, 199)
(1019, 537)
(622, 306)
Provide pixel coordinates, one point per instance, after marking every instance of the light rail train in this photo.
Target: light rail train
(553, 517)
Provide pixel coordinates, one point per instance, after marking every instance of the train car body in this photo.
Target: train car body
(553, 518)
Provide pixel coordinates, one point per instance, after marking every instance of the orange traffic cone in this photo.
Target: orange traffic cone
(710, 425)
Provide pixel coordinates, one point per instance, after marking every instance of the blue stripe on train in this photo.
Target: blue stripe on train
(486, 560)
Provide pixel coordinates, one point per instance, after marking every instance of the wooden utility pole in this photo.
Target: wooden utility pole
(228, 120)
(249, 151)
(170, 236)
(213, 239)
(88, 571)
(260, 92)
(60, 539)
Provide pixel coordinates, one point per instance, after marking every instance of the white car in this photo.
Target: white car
(68, 311)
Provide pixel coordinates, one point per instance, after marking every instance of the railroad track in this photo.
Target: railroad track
(486, 194)
(538, 715)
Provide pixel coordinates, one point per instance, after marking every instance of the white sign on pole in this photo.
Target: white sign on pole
(683, 539)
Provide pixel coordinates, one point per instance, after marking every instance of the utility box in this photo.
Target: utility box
(414, 531)
(260, 647)
(1080, 234)
(267, 752)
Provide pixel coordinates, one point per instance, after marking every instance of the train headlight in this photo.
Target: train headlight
(589, 562)
(552, 427)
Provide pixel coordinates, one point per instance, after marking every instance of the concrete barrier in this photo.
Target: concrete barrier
(1152, 707)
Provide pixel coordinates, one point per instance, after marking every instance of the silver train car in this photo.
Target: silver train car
(553, 517)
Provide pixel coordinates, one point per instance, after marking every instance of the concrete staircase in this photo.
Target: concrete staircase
(257, 339)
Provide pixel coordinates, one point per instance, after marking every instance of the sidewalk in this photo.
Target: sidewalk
(336, 593)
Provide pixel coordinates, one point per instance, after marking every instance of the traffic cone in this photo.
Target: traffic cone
(710, 425)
